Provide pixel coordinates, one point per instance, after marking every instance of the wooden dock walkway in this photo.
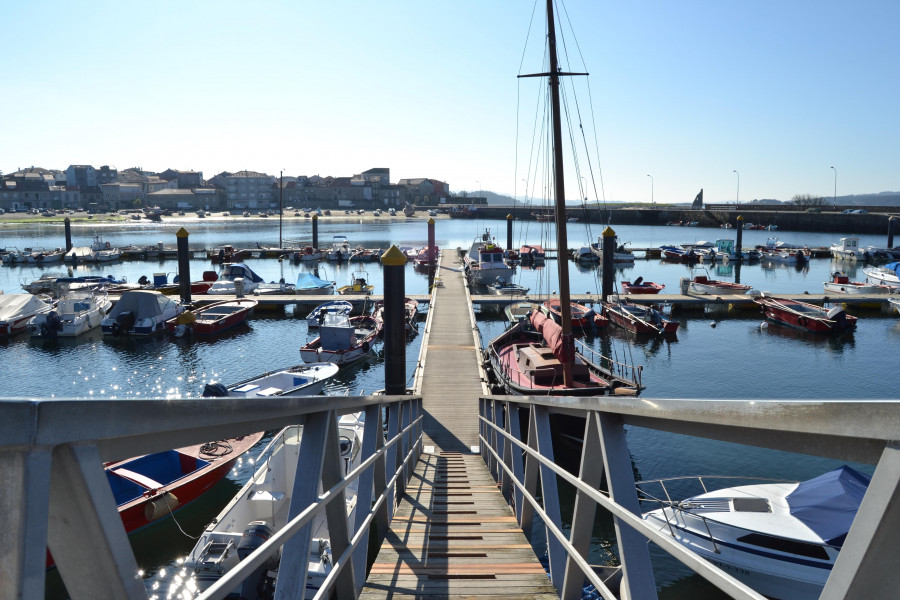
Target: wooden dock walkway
(453, 535)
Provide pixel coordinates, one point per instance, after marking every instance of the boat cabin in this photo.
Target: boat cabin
(540, 365)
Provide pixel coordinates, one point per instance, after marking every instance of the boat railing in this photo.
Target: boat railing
(516, 441)
(610, 367)
(52, 453)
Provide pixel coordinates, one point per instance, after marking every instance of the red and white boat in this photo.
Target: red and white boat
(307, 254)
(809, 317)
(702, 284)
(841, 284)
(532, 253)
(639, 319)
(641, 287)
(426, 257)
(411, 314)
(16, 310)
(212, 318)
(343, 339)
(581, 315)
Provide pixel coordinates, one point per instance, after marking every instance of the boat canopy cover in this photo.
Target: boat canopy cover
(828, 503)
(233, 271)
(13, 305)
(894, 266)
(143, 303)
(308, 281)
(551, 332)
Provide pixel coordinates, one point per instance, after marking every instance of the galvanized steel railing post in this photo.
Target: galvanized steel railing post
(550, 496)
(339, 533)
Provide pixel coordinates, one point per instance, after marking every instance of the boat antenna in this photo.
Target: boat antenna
(562, 243)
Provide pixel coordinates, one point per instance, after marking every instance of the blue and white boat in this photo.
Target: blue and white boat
(779, 538)
(310, 285)
(336, 307)
(225, 283)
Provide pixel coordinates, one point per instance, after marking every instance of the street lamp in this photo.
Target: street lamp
(835, 188)
(737, 196)
(651, 188)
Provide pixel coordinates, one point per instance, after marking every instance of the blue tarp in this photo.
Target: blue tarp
(308, 281)
(828, 503)
(235, 270)
(894, 266)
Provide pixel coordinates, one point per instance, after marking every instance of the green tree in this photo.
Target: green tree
(137, 203)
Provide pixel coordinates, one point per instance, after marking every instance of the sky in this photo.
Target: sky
(746, 100)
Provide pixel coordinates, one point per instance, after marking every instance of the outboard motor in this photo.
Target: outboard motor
(124, 322)
(215, 390)
(51, 325)
(257, 584)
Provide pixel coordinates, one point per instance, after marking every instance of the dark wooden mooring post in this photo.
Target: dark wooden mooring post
(394, 263)
(609, 254)
(739, 248)
(184, 265)
(315, 239)
(891, 221)
(68, 233)
(509, 238)
(431, 257)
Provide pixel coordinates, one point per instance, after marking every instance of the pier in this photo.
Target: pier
(451, 493)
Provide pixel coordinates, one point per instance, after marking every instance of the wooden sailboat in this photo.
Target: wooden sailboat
(537, 356)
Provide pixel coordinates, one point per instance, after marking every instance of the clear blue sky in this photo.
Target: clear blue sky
(686, 91)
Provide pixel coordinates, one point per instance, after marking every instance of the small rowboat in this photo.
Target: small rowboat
(411, 314)
(810, 317)
(212, 318)
(582, 316)
(639, 319)
(641, 287)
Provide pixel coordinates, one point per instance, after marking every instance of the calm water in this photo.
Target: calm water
(711, 357)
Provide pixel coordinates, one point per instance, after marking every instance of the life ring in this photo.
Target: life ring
(365, 346)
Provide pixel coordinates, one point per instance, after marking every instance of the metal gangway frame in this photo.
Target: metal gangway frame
(520, 457)
(56, 494)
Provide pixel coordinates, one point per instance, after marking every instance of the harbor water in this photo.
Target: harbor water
(723, 356)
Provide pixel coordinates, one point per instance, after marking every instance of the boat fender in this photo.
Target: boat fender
(834, 312)
(215, 390)
(180, 330)
(366, 347)
(161, 506)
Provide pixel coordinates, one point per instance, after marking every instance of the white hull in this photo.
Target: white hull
(297, 381)
(882, 276)
(337, 357)
(75, 317)
(859, 290)
(487, 276)
(266, 499)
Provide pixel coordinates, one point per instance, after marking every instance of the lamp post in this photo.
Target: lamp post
(737, 197)
(281, 206)
(835, 187)
(651, 189)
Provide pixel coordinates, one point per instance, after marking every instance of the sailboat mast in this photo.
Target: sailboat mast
(562, 243)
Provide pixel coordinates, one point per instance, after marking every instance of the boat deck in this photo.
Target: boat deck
(453, 534)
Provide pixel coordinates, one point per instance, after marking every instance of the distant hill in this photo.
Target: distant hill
(879, 199)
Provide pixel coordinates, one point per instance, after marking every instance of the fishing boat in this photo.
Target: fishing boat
(848, 249)
(637, 318)
(679, 254)
(484, 263)
(790, 256)
(463, 211)
(343, 340)
(308, 284)
(410, 312)
(639, 286)
(810, 317)
(519, 310)
(307, 254)
(620, 255)
(780, 538)
(703, 284)
(262, 508)
(140, 312)
(154, 486)
(501, 287)
(17, 310)
(841, 284)
(299, 380)
(888, 274)
(74, 314)
(212, 318)
(340, 249)
(579, 315)
(359, 285)
(537, 356)
(225, 284)
(335, 307)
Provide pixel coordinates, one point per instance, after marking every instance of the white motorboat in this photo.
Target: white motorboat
(16, 310)
(888, 274)
(484, 263)
(703, 284)
(309, 284)
(841, 284)
(779, 538)
(262, 508)
(74, 314)
(848, 249)
(620, 255)
(340, 249)
(299, 380)
(140, 312)
(501, 287)
(336, 307)
(343, 340)
(225, 284)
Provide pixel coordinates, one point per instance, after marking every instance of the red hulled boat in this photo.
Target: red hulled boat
(810, 317)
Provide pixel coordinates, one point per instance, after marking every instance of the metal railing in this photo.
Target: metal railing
(56, 494)
(516, 439)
